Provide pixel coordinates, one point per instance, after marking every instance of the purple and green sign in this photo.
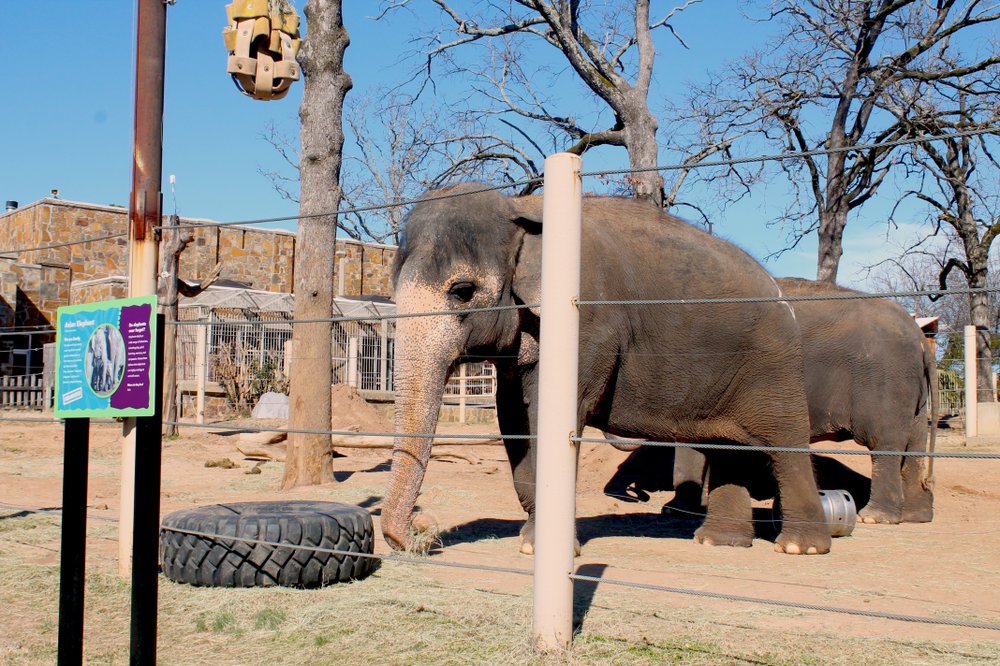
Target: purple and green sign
(105, 358)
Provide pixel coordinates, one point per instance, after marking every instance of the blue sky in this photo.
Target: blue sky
(66, 113)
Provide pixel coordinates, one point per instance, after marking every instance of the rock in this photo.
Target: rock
(271, 406)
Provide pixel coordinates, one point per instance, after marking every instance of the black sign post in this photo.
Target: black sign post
(73, 555)
(146, 520)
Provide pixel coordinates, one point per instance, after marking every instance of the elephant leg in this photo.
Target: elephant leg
(729, 520)
(515, 417)
(804, 530)
(918, 490)
(689, 477)
(886, 503)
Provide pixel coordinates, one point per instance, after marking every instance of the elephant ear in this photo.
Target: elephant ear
(527, 282)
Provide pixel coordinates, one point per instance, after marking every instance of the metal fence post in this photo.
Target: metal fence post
(555, 499)
(971, 383)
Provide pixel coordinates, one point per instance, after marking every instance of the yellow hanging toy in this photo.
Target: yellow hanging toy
(262, 39)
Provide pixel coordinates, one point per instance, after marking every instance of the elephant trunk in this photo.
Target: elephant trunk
(428, 350)
(416, 413)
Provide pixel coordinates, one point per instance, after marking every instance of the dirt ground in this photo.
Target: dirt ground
(947, 569)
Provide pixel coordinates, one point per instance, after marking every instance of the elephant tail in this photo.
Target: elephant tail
(930, 375)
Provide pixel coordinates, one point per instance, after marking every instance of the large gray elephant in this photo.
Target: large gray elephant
(704, 373)
(869, 375)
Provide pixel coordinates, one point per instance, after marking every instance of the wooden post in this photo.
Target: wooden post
(971, 381)
(559, 341)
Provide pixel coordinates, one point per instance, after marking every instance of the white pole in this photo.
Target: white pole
(383, 356)
(463, 386)
(352, 363)
(200, 372)
(556, 454)
(971, 394)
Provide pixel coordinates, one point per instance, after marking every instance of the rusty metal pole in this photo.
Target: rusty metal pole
(143, 216)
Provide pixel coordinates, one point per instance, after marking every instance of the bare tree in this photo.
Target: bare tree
(820, 86)
(395, 150)
(956, 180)
(400, 149)
(322, 139)
(170, 287)
(611, 52)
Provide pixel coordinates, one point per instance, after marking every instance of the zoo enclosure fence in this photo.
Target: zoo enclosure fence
(571, 576)
(249, 333)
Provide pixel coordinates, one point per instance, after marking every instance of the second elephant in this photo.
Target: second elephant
(869, 375)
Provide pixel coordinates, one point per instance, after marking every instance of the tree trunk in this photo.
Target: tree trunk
(831, 238)
(308, 459)
(172, 244)
(979, 314)
(640, 141)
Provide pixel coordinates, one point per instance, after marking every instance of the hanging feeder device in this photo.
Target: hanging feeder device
(262, 39)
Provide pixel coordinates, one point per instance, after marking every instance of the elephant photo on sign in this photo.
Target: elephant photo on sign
(721, 372)
(870, 376)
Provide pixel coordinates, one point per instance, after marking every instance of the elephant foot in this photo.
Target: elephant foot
(686, 502)
(874, 514)
(528, 540)
(919, 510)
(804, 541)
(729, 520)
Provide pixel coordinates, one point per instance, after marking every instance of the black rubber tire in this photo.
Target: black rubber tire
(219, 562)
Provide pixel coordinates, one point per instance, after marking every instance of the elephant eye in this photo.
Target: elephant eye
(462, 291)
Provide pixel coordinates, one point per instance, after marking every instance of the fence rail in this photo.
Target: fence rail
(24, 392)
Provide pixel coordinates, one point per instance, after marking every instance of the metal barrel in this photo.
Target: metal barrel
(840, 512)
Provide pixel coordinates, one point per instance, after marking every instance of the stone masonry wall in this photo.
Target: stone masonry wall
(33, 284)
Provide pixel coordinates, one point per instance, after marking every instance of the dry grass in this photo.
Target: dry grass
(400, 615)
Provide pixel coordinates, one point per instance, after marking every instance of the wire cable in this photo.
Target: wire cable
(789, 604)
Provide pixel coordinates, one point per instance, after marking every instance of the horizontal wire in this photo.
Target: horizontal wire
(589, 440)
(360, 209)
(773, 521)
(662, 301)
(351, 553)
(608, 172)
(572, 576)
(593, 579)
(347, 433)
(925, 138)
(789, 604)
(788, 449)
(82, 241)
(852, 296)
(528, 181)
(368, 317)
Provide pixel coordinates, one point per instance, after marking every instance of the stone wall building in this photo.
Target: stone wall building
(34, 283)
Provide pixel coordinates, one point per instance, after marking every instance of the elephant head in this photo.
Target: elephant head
(456, 256)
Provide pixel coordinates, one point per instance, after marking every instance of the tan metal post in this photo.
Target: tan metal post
(971, 382)
(555, 497)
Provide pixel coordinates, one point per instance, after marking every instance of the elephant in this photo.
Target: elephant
(724, 372)
(869, 374)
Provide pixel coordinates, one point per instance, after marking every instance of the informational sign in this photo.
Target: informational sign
(105, 359)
